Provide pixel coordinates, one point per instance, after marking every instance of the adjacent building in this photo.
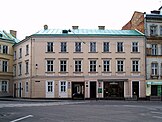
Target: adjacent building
(152, 27)
(7, 40)
(80, 64)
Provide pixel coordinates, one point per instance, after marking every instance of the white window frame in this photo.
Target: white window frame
(93, 47)
(26, 67)
(5, 66)
(121, 48)
(6, 85)
(154, 68)
(80, 66)
(51, 65)
(63, 86)
(66, 65)
(20, 68)
(120, 65)
(27, 49)
(154, 49)
(5, 51)
(106, 65)
(50, 47)
(93, 65)
(63, 47)
(76, 47)
(108, 48)
(135, 46)
(136, 64)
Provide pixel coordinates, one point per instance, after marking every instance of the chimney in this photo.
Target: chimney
(45, 27)
(75, 27)
(13, 33)
(101, 27)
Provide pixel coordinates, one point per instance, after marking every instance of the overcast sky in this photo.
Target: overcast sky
(28, 16)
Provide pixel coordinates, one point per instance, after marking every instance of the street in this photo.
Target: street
(81, 111)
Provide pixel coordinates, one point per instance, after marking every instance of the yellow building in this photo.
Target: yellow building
(80, 63)
(7, 40)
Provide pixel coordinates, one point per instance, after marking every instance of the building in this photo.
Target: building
(7, 40)
(80, 64)
(153, 31)
(136, 22)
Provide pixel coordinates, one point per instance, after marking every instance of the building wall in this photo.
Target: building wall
(38, 75)
(6, 76)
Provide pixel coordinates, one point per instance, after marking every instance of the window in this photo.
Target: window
(4, 86)
(63, 65)
(5, 49)
(106, 47)
(14, 70)
(77, 46)
(63, 47)
(78, 66)
(49, 46)
(134, 46)
(27, 67)
(92, 46)
(135, 66)
(26, 87)
(153, 30)
(106, 65)
(49, 86)
(119, 46)
(50, 67)
(93, 66)
(160, 30)
(20, 68)
(4, 66)
(20, 53)
(154, 68)
(27, 49)
(14, 55)
(120, 66)
(63, 86)
(154, 49)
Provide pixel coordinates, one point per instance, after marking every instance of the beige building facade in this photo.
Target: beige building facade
(80, 64)
(7, 40)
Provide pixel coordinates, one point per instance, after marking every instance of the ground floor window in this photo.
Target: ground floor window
(156, 90)
(4, 87)
(63, 86)
(113, 89)
(50, 86)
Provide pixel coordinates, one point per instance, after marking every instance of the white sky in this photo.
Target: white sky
(29, 16)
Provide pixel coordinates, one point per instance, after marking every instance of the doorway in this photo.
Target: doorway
(14, 93)
(77, 90)
(135, 88)
(92, 90)
(20, 90)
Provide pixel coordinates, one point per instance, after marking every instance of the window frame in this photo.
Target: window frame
(93, 47)
(106, 67)
(120, 47)
(78, 47)
(63, 47)
(106, 46)
(78, 65)
(5, 66)
(93, 66)
(63, 65)
(50, 47)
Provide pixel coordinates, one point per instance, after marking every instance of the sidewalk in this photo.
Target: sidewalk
(32, 100)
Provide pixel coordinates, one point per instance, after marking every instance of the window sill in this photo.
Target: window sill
(120, 72)
(63, 72)
(26, 54)
(77, 52)
(49, 52)
(63, 52)
(106, 52)
(93, 72)
(106, 72)
(119, 52)
(135, 72)
(49, 72)
(135, 52)
(92, 52)
(77, 72)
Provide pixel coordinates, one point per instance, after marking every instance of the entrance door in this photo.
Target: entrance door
(154, 90)
(92, 90)
(19, 89)
(14, 95)
(78, 90)
(135, 88)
